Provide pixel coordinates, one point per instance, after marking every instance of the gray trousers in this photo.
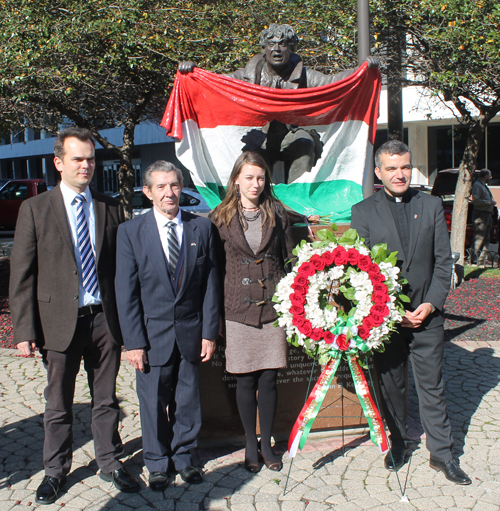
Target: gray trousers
(482, 229)
(426, 348)
(101, 355)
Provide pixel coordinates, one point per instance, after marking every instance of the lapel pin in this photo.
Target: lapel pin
(193, 244)
(416, 216)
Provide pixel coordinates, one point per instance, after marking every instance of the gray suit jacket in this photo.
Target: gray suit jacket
(44, 276)
(428, 264)
(152, 315)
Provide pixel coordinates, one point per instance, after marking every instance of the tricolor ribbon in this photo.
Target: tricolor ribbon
(377, 431)
(310, 410)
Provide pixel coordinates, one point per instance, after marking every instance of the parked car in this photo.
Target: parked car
(190, 200)
(444, 187)
(12, 195)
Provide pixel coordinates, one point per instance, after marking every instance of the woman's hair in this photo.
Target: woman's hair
(231, 204)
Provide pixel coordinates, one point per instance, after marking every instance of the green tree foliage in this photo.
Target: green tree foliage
(107, 63)
(452, 48)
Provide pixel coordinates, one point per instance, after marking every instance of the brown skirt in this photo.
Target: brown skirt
(251, 348)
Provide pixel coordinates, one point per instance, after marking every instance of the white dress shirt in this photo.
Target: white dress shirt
(162, 222)
(84, 298)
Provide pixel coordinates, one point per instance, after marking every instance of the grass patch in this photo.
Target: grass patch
(474, 272)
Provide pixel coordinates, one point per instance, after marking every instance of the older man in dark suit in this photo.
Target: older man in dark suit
(413, 224)
(168, 301)
(62, 300)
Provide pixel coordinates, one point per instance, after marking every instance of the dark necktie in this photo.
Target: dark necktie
(87, 260)
(173, 246)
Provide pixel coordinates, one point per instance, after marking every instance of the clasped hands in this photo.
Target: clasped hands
(416, 318)
(138, 359)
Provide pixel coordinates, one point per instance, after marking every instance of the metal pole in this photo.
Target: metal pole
(363, 30)
(363, 52)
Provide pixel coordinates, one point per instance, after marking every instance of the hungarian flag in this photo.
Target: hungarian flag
(210, 117)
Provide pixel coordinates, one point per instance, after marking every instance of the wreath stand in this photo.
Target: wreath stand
(341, 303)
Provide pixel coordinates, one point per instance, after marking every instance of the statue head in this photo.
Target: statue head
(278, 42)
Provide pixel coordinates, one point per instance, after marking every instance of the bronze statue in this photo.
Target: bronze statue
(279, 67)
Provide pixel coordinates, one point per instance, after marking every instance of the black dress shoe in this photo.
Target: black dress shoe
(395, 458)
(191, 475)
(158, 481)
(451, 470)
(122, 480)
(48, 491)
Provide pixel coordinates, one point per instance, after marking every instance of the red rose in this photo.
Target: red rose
(307, 269)
(297, 299)
(342, 342)
(317, 261)
(363, 332)
(299, 290)
(364, 262)
(377, 278)
(368, 323)
(339, 255)
(382, 310)
(328, 337)
(296, 310)
(380, 288)
(306, 329)
(328, 258)
(352, 256)
(301, 280)
(316, 334)
(379, 298)
(298, 321)
(377, 318)
(373, 268)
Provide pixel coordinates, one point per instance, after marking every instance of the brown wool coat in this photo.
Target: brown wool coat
(242, 269)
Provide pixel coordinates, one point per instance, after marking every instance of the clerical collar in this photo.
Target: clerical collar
(405, 198)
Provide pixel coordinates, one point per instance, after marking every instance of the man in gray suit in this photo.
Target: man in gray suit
(167, 291)
(62, 300)
(413, 224)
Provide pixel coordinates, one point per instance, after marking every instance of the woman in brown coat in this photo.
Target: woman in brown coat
(254, 239)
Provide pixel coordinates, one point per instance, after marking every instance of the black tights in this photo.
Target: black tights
(248, 384)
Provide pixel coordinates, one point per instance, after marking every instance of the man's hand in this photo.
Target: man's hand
(27, 348)
(415, 319)
(186, 67)
(372, 61)
(207, 349)
(138, 359)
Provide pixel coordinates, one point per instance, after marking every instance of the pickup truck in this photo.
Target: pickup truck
(12, 194)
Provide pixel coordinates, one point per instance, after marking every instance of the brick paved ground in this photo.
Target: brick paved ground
(320, 478)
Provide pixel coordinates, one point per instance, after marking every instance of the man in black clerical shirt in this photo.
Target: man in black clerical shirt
(413, 224)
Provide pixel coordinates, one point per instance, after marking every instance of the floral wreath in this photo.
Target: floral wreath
(331, 267)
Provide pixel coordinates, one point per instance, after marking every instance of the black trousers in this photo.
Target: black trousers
(426, 348)
(101, 355)
(170, 408)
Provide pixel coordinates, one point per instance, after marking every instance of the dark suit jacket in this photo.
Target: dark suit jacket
(152, 316)
(44, 275)
(428, 265)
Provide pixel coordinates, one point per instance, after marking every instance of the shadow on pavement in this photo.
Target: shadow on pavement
(468, 376)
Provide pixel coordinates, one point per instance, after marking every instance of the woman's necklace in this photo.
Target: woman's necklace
(249, 218)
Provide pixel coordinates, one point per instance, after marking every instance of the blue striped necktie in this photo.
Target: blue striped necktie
(87, 260)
